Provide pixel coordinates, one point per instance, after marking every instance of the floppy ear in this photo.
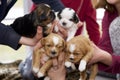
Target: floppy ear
(42, 41)
(64, 44)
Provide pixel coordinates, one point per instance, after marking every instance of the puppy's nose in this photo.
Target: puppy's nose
(63, 23)
(71, 59)
(53, 52)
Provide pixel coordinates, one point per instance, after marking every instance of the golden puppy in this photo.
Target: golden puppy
(79, 50)
(53, 45)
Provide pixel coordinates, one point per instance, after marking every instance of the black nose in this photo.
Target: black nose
(71, 59)
(63, 23)
(53, 52)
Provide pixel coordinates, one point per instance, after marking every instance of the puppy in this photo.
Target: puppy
(41, 16)
(52, 46)
(79, 51)
(69, 20)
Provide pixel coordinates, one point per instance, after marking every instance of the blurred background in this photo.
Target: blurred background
(21, 8)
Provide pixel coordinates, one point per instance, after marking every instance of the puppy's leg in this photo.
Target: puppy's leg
(71, 34)
(83, 75)
(85, 59)
(36, 60)
(93, 70)
(44, 68)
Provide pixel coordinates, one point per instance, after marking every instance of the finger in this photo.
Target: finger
(79, 24)
(37, 46)
(44, 58)
(38, 35)
(61, 58)
(55, 63)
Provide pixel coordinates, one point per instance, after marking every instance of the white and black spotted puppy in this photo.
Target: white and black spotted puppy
(69, 20)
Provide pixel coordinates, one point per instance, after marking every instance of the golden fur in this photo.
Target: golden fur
(83, 51)
(50, 49)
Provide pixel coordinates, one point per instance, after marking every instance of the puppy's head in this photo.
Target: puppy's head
(53, 44)
(77, 48)
(44, 16)
(67, 17)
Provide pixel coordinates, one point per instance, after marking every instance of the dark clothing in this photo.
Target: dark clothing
(8, 36)
(55, 4)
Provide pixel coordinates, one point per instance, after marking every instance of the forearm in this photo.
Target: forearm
(106, 58)
(27, 41)
(113, 67)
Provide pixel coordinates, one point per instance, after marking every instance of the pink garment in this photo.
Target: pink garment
(105, 44)
(86, 13)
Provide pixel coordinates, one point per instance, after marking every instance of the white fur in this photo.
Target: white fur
(68, 64)
(70, 26)
(73, 66)
(35, 69)
(40, 74)
(72, 48)
(80, 79)
(47, 78)
(55, 40)
(82, 65)
(45, 58)
(72, 56)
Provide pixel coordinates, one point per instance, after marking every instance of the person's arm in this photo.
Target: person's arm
(91, 22)
(58, 71)
(55, 4)
(106, 61)
(9, 37)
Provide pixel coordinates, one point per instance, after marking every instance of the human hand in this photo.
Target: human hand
(38, 35)
(58, 72)
(100, 55)
(59, 29)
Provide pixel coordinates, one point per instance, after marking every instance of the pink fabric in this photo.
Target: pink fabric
(87, 14)
(105, 44)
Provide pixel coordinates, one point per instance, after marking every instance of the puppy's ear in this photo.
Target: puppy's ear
(58, 15)
(76, 18)
(42, 41)
(64, 44)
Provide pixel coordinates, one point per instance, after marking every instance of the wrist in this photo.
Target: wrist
(106, 58)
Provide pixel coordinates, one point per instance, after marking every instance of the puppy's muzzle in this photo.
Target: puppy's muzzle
(53, 53)
(64, 24)
(71, 59)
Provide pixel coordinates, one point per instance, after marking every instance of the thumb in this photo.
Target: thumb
(38, 35)
(79, 24)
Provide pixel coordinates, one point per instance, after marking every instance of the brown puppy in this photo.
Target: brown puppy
(53, 45)
(79, 50)
(27, 25)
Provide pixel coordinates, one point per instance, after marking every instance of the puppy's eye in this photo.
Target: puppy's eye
(71, 19)
(76, 53)
(48, 45)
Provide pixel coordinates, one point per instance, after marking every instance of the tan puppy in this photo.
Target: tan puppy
(53, 45)
(79, 50)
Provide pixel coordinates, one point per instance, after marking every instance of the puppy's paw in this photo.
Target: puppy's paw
(40, 74)
(80, 79)
(82, 65)
(47, 78)
(35, 70)
(68, 64)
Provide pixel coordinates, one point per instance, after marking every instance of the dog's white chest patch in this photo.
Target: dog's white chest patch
(55, 40)
(72, 48)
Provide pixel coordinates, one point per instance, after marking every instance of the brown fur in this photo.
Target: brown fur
(50, 49)
(83, 51)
